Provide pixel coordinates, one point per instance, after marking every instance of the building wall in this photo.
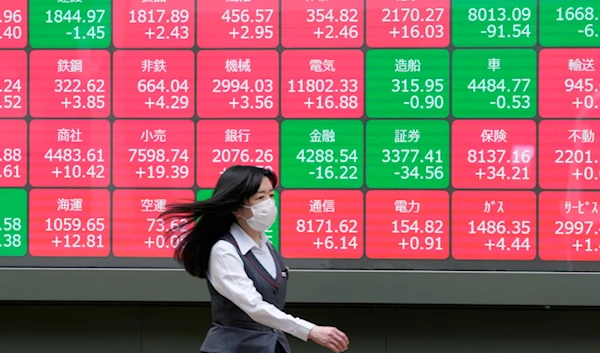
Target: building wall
(97, 328)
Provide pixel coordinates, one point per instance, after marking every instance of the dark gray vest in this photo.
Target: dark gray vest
(233, 331)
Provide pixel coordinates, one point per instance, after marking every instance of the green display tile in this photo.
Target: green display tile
(76, 25)
(324, 154)
(494, 23)
(408, 154)
(13, 222)
(573, 23)
(408, 83)
(494, 83)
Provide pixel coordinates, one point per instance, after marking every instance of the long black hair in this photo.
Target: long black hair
(213, 217)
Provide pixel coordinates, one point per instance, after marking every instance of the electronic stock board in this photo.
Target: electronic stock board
(412, 135)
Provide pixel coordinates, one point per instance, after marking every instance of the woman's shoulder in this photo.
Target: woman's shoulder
(223, 246)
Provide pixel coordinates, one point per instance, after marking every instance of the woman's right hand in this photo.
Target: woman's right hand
(329, 337)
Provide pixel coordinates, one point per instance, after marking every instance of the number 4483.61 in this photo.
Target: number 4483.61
(11, 156)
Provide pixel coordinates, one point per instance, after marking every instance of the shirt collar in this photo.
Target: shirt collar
(244, 241)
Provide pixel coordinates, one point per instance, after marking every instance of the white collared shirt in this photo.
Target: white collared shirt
(228, 277)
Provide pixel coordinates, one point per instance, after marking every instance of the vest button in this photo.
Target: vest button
(275, 291)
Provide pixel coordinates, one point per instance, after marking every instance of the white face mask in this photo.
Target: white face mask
(264, 214)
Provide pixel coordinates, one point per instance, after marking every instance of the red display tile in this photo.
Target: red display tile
(569, 83)
(140, 233)
(408, 224)
(569, 226)
(154, 84)
(568, 153)
(322, 84)
(153, 153)
(493, 225)
(238, 24)
(322, 24)
(238, 84)
(153, 24)
(13, 153)
(13, 84)
(70, 153)
(70, 83)
(225, 143)
(497, 154)
(13, 24)
(324, 225)
(402, 24)
(69, 223)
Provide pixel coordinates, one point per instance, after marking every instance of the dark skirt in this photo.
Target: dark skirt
(279, 348)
